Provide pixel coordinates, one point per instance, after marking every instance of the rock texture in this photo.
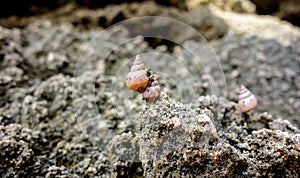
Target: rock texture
(208, 25)
(65, 112)
(181, 140)
(285, 9)
(261, 75)
(243, 6)
(266, 27)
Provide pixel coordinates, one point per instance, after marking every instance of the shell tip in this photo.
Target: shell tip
(138, 57)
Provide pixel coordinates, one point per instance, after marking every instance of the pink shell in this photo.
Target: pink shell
(247, 101)
(137, 78)
(152, 92)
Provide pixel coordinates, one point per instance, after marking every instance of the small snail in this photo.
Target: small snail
(137, 78)
(152, 92)
(143, 81)
(247, 101)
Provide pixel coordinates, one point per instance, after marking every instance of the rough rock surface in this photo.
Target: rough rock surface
(266, 27)
(208, 25)
(266, 67)
(260, 74)
(244, 6)
(181, 140)
(56, 121)
(284, 9)
(171, 135)
(17, 156)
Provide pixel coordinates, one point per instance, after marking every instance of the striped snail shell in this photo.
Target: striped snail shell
(151, 92)
(137, 78)
(247, 101)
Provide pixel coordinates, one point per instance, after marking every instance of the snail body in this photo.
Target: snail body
(137, 78)
(247, 101)
(151, 92)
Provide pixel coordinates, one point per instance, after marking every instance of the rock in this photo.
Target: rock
(283, 146)
(283, 125)
(11, 59)
(259, 64)
(30, 7)
(124, 149)
(263, 64)
(181, 140)
(58, 121)
(266, 27)
(17, 155)
(209, 26)
(80, 159)
(54, 171)
(283, 9)
(286, 10)
(206, 24)
(244, 6)
(171, 130)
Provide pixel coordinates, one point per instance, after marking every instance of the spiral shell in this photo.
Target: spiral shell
(152, 92)
(247, 101)
(137, 78)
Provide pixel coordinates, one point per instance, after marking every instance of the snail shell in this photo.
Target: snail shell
(137, 78)
(151, 92)
(247, 101)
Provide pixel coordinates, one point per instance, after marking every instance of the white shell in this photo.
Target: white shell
(137, 64)
(152, 92)
(247, 101)
(137, 78)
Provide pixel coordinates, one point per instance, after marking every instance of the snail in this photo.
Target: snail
(247, 101)
(142, 81)
(137, 78)
(152, 92)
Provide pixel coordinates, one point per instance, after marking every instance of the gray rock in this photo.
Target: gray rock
(17, 155)
(170, 133)
(244, 6)
(268, 69)
(203, 20)
(124, 150)
(285, 9)
(181, 140)
(54, 122)
(11, 59)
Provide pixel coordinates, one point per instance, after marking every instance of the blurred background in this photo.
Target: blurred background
(17, 13)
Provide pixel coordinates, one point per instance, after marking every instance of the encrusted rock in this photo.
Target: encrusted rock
(171, 133)
(17, 155)
(181, 140)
